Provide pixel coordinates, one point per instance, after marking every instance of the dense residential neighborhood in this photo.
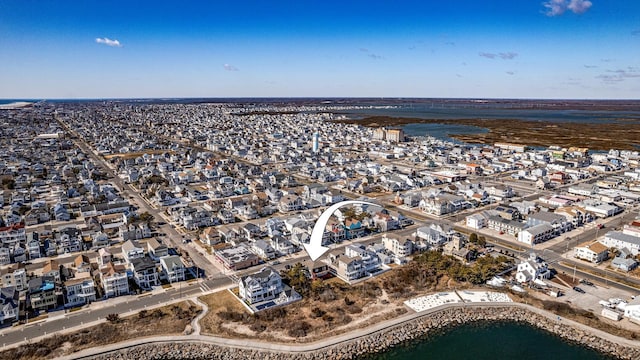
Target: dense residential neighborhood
(74, 176)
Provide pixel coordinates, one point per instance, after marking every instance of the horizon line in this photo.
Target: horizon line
(311, 98)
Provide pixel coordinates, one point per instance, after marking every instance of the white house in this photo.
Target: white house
(132, 250)
(172, 268)
(594, 252)
(400, 247)
(536, 234)
(156, 249)
(114, 280)
(532, 269)
(264, 285)
(621, 240)
(79, 291)
(476, 221)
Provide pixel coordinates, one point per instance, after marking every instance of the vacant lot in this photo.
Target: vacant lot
(332, 308)
(171, 319)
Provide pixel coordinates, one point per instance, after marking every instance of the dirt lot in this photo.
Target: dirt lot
(174, 318)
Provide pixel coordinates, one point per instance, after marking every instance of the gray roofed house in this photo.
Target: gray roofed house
(9, 304)
(156, 249)
(132, 250)
(145, 272)
(624, 264)
(264, 285)
(620, 240)
(173, 268)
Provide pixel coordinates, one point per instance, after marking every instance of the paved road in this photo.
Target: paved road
(174, 237)
(98, 311)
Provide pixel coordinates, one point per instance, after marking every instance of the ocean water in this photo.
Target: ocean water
(441, 131)
(467, 109)
(491, 341)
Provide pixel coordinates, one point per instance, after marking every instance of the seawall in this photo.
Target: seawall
(366, 341)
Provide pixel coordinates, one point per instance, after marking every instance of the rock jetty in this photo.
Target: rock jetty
(381, 340)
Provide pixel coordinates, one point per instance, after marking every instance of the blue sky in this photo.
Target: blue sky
(308, 48)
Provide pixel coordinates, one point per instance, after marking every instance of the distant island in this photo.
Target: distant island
(596, 136)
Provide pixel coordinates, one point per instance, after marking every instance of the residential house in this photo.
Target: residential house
(114, 280)
(264, 250)
(173, 268)
(500, 191)
(145, 272)
(345, 267)
(536, 234)
(236, 258)
(384, 222)
(353, 228)
(532, 269)
(319, 270)
(503, 225)
(290, 203)
(34, 247)
(156, 249)
(15, 276)
(5, 255)
(210, 236)
(575, 215)
(132, 250)
(508, 212)
(355, 262)
(400, 247)
(282, 245)
(557, 221)
(442, 204)
(624, 262)
(264, 285)
(14, 234)
(478, 221)
(620, 240)
(79, 290)
(104, 257)
(594, 252)
(82, 263)
(42, 294)
(434, 235)
(9, 304)
(51, 268)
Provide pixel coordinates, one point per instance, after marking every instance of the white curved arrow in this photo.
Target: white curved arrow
(314, 248)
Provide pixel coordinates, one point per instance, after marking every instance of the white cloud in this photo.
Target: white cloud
(108, 42)
(559, 7)
(230, 67)
(619, 75)
(579, 6)
(555, 7)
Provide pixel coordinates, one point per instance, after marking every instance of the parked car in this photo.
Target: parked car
(586, 282)
(578, 290)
